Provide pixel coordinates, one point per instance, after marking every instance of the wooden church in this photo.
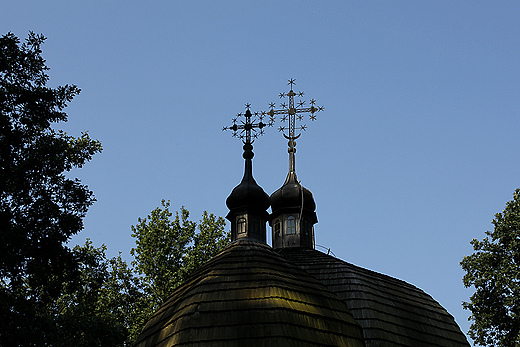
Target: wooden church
(289, 294)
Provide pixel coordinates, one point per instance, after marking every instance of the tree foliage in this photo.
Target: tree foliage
(98, 309)
(110, 302)
(494, 271)
(40, 207)
(168, 250)
(51, 295)
(161, 247)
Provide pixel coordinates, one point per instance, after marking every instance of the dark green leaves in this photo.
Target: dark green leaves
(109, 303)
(97, 308)
(40, 207)
(494, 271)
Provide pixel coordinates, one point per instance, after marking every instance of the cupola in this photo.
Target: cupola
(293, 211)
(248, 203)
(293, 208)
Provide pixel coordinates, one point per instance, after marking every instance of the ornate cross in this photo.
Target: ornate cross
(247, 129)
(291, 113)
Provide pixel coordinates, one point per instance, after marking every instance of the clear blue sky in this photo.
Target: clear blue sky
(415, 152)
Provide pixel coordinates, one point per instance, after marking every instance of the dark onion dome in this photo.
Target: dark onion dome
(248, 195)
(289, 198)
(391, 312)
(248, 295)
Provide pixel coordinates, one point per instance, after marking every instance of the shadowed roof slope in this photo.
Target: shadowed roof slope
(250, 296)
(390, 311)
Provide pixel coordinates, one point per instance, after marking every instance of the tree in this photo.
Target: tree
(40, 207)
(208, 242)
(168, 251)
(99, 307)
(109, 303)
(494, 270)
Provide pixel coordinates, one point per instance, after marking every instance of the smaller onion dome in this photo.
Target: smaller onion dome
(248, 194)
(248, 204)
(292, 195)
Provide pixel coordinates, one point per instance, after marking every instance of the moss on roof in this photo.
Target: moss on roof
(248, 295)
(391, 312)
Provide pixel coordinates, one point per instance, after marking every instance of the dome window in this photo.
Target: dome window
(290, 225)
(241, 225)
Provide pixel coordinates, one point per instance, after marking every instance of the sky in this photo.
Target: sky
(415, 151)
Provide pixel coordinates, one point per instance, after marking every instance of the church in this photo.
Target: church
(290, 294)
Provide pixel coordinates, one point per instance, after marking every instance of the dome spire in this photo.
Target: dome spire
(248, 202)
(293, 208)
(290, 114)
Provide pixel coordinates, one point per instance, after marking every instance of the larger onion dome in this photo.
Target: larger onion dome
(293, 211)
(292, 196)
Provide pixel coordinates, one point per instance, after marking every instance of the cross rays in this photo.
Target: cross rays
(291, 113)
(248, 130)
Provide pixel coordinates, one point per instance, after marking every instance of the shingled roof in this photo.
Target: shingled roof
(248, 295)
(390, 311)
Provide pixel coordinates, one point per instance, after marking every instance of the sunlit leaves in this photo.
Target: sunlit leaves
(170, 248)
(494, 271)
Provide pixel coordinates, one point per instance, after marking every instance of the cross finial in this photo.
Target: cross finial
(246, 130)
(291, 113)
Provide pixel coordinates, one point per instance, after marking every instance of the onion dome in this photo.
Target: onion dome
(293, 211)
(292, 196)
(248, 295)
(248, 203)
(248, 194)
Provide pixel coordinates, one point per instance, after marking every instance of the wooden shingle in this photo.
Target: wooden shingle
(249, 295)
(390, 311)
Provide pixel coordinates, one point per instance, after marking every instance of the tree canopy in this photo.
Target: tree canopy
(494, 271)
(51, 295)
(103, 302)
(111, 301)
(169, 250)
(40, 206)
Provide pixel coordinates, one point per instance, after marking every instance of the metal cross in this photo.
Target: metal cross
(247, 129)
(291, 113)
